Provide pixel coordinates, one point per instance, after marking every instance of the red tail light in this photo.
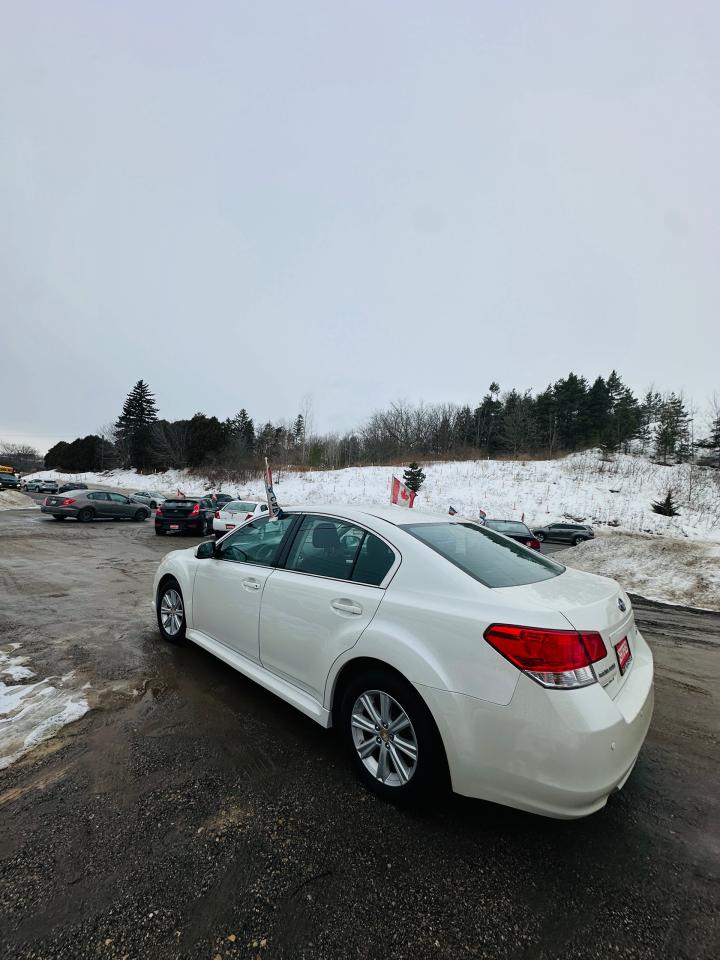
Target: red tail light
(534, 544)
(555, 658)
(67, 501)
(217, 514)
(158, 512)
(45, 501)
(195, 510)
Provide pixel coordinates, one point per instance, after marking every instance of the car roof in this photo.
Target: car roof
(360, 512)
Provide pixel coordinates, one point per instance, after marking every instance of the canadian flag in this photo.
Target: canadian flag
(401, 495)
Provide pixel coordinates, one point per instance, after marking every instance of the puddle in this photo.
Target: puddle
(31, 712)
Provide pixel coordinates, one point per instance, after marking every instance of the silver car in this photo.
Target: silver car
(86, 505)
(151, 497)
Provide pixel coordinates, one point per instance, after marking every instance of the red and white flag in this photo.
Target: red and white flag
(400, 494)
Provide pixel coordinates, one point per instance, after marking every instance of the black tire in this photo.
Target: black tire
(167, 588)
(55, 517)
(429, 778)
(85, 515)
(152, 505)
(159, 532)
(140, 515)
(540, 537)
(577, 540)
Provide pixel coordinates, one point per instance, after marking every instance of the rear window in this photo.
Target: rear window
(240, 506)
(508, 526)
(485, 555)
(179, 501)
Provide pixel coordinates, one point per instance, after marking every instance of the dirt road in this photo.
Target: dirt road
(192, 814)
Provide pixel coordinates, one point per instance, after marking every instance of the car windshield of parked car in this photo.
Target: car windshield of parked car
(239, 506)
(508, 527)
(485, 555)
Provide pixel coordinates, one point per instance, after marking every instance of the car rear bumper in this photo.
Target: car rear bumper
(180, 525)
(560, 753)
(58, 511)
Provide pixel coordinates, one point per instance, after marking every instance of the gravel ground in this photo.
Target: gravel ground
(192, 814)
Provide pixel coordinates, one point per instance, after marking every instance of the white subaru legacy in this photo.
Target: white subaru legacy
(442, 650)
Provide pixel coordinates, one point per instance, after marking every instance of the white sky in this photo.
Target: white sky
(245, 203)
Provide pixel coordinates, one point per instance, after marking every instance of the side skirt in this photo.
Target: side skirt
(281, 688)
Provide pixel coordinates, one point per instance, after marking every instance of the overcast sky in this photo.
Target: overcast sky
(244, 203)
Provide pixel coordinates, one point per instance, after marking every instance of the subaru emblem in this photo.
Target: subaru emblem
(621, 604)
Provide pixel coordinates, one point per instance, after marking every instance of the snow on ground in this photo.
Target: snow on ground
(14, 500)
(32, 712)
(670, 558)
(580, 486)
(685, 572)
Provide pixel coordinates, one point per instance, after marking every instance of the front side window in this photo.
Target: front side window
(325, 547)
(118, 498)
(259, 541)
(484, 554)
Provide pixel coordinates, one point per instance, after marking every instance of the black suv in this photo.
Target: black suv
(185, 515)
(565, 532)
(8, 481)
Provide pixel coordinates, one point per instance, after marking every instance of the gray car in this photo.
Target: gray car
(574, 533)
(151, 497)
(86, 505)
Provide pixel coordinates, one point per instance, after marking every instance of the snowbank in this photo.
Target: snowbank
(581, 486)
(32, 712)
(685, 572)
(14, 500)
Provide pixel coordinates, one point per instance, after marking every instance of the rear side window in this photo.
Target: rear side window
(325, 547)
(373, 561)
(485, 555)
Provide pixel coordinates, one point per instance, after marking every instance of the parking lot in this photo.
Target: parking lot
(192, 814)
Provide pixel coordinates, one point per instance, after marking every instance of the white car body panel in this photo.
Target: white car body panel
(507, 739)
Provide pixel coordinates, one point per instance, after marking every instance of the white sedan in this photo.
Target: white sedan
(235, 512)
(442, 650)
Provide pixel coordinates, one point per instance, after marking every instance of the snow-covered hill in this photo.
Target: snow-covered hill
(580, 486)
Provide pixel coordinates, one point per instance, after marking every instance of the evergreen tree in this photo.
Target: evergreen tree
(666, 507)
(206, 439)
(597, 410)
(671, 429)
(413, 477)
(134, 425)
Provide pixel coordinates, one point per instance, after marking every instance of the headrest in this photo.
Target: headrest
(325, 535)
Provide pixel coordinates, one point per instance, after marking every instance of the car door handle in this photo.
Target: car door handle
(347, 606)
(251, 584)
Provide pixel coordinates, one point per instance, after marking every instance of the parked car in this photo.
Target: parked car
(573, 533)
(185, 515)
(72, 486)
(220, 499)
(151, 497)
(86, 505)
(440, 649)
(234, 513)
(47, 486)
(516, 530)
(8, 481)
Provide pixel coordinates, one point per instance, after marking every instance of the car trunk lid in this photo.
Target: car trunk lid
(588, 603)
(178, 508)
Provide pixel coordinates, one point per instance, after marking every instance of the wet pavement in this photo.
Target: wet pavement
(192, 814)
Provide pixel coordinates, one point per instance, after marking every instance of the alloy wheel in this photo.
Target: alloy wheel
(384, 738)
(171, 612)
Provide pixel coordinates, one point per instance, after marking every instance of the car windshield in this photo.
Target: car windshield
(485, 555)
(239, 506)
(508, 526)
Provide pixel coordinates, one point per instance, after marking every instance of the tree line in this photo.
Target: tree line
(568, 415)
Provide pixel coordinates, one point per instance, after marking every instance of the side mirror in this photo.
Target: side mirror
(205, 550)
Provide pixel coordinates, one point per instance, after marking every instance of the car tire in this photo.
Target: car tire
(152, 505)
(577, 540)
(170, 609)
(540, 537)
(85, 515)
(423, 778)
(139, 516)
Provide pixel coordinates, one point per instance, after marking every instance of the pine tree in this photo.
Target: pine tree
(666, 507)
(134, 425)
(413, 477)
(671, 429)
